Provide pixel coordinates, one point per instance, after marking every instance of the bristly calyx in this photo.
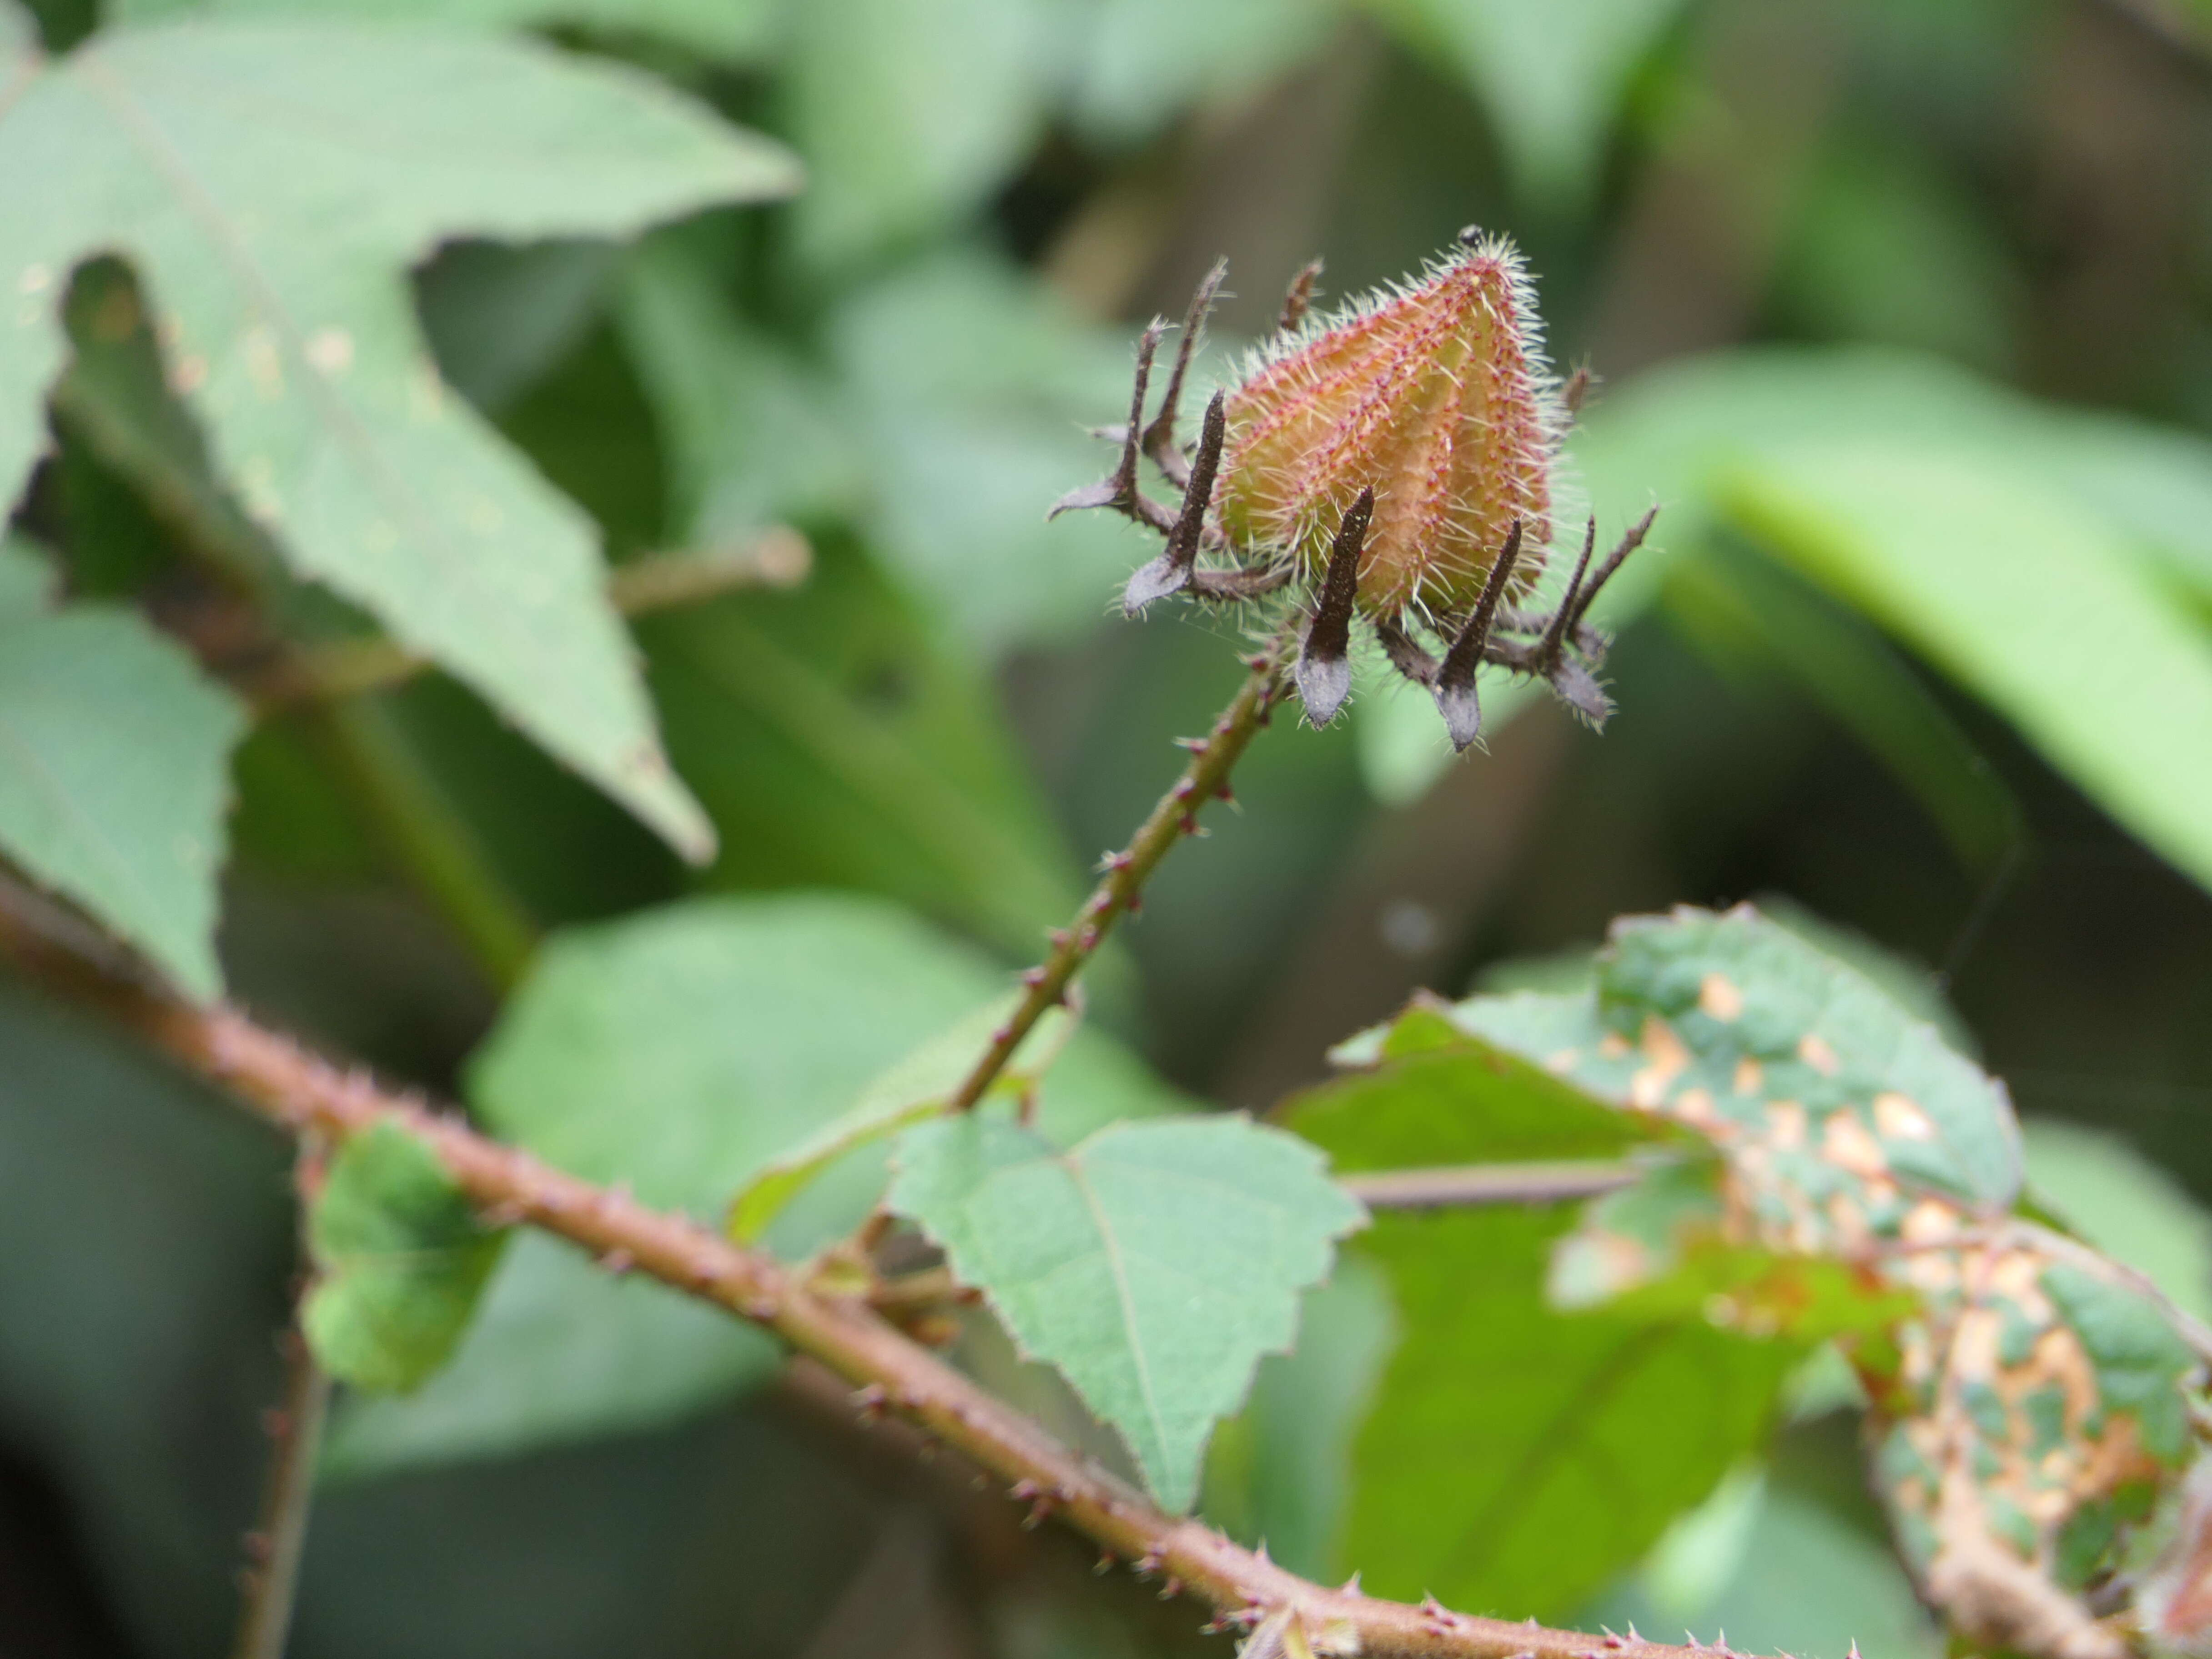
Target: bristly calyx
(1394, 461)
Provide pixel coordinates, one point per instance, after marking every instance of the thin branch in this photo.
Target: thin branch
(1464, 1185)
(279, 1539)
(777, 558)
(1206, 778)
(302, 1094)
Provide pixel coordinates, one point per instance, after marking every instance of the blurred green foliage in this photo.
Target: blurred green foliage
(1900, 310)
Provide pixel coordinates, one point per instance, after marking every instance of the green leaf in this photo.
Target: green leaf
(909, 116)
(559, 1352)
(1152, 1263)
(1516, 1456)
(682, 1053)
(114, 751)
(1984, 531)
(1146, 61)
(1551, 72)
(737, 30)
(400, 1258)
(1740, 1028)
(2124, 1205)
(975, 392)
(915, 1086)
(27, 579)
(275, 252)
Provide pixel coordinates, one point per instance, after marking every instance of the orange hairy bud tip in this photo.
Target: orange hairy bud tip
(1438, 398)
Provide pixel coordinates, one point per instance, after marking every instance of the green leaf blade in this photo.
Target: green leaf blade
(401, 1259)
(114, 755)
(1153, 1263)
(273, 181)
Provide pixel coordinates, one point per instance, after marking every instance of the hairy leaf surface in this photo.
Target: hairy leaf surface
(1153, 1263)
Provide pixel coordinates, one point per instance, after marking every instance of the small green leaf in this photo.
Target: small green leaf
(275, 255)
(114, 751)
(1152, 1263)
(400, 1258)
(915, 1086)
(682, 1053)
(559, 1352)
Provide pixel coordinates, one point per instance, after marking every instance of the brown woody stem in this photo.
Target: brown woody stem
(1206, 777)
(305, 1095)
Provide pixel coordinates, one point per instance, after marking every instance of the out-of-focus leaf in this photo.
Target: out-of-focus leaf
(1740, 607)
(1153, 1263)
(915, 1086)
(682, 1053)
(27, 579)
(1516, 1456)
(1143, 61)
(909, 116)
(1803, 1582)
(834, 744)
(114, 755)
(1551, 72)
(754, 435)
(559, 1351)
(1279, 1472)
(400, 1259)
(976, 395)
(1974, 526)
(274, 247)
(2124, 1205)
(498, 316)
(737, 30)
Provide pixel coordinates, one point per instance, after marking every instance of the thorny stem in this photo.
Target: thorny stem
(279, 1539)
(1465, 1185)
(305, 1095)
(1213, 758)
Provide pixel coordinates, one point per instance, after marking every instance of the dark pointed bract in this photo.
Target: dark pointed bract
(1324, 670)
(1456, 699)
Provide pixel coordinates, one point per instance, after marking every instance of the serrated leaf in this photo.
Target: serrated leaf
(1838, 1108)
(400, 1258)
(681, 1053)
(114, 756)
(274, 250)
(1152, 1263)
(915, 1086)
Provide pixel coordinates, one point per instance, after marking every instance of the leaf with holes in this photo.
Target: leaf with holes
(114, 764)
(273, 183)
(401, 1259)
(1153, 1263)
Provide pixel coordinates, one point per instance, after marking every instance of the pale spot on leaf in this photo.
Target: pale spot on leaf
(1899, 1117)
(1813, 1048)
(1845, 1143)
(330, 350)
(1718, 996)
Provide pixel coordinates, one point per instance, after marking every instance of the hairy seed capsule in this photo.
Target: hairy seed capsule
(1439, 400)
